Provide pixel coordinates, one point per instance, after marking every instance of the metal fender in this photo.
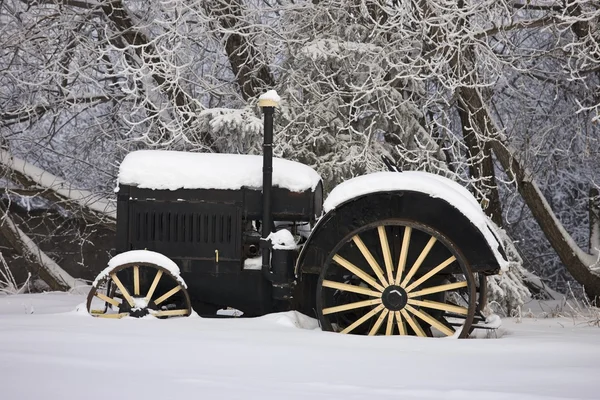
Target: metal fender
(481, 249)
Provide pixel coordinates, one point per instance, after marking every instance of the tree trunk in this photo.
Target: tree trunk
(594, 209)
(575, 260)
(251, 72)
(481, 167)
(84, 204)
(481, 164)
(39, 263)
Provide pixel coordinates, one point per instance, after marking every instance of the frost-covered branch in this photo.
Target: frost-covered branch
(358, 80)
(32, 176)
(48, 270)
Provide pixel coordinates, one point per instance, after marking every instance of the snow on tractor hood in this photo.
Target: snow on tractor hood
(172, 170)
(434, 185)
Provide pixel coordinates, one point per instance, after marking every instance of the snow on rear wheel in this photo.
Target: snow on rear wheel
(138, 289)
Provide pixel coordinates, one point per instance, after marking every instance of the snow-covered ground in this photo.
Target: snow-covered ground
(50, 350)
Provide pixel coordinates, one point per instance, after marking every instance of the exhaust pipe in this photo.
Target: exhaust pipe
(267, 102)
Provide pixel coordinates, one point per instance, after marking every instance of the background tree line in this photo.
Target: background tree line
(499, 95)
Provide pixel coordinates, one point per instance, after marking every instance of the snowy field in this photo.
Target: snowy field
(50, 350)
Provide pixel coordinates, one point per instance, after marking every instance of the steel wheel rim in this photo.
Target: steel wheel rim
(139, 297)
(396, 269)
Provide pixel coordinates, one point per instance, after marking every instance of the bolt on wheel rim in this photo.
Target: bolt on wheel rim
(396, 278)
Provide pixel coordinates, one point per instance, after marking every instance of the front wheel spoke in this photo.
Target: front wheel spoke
(350, 288)
(153, 286)
(431, 273)
(439, 306)
(362, 319)
(370, 259)
(136, 280)
(124, 291)
(116, 316)
(437, 289)
(390, 324)
(413, 324)
(400, 323)
(107, 299)
(357, 271)
(167, 295)
(351, 306)
(419, 261)
(387, 254)
(169, 313)
(431, 321)
(378, 323)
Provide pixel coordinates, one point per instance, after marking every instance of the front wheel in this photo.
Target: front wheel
(138, 289)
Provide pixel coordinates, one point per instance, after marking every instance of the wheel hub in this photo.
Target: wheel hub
(138, 312)
(394, 298)
(140, 309)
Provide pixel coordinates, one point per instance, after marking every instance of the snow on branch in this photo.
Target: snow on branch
(62, 188)
(56, 277)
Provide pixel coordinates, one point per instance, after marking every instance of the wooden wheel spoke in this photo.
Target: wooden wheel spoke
(403, 254)
(419, 261)
(136, 280)
(431, 321)
(439, 306)
(437, 289)
(362, 319)
(400, 323)
(124, 291)
(116, 316)
(413, 324)
(170, 313)
(107, 299)
(357, 271)
(350, 288)
(378, 323)
(153, 286)
(370, 259)
(351, 306)
(167, 295)
(428, 275)
(387, 254)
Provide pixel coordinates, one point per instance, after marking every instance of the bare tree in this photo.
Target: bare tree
(463, 88)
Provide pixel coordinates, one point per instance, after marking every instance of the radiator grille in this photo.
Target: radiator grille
(176, 227)
(195, 230)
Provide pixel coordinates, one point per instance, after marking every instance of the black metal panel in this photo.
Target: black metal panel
(247, 291)
(122, 238)
(285, 205)
(180, 230)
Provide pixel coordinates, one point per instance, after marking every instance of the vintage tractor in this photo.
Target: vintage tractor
(393, 253)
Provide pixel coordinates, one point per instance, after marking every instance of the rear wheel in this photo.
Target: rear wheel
(397, 277)
(136, 290)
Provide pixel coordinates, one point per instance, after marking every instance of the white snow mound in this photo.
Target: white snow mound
(171, 170)
(142, 257)
(282, 240)
(270, 95)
